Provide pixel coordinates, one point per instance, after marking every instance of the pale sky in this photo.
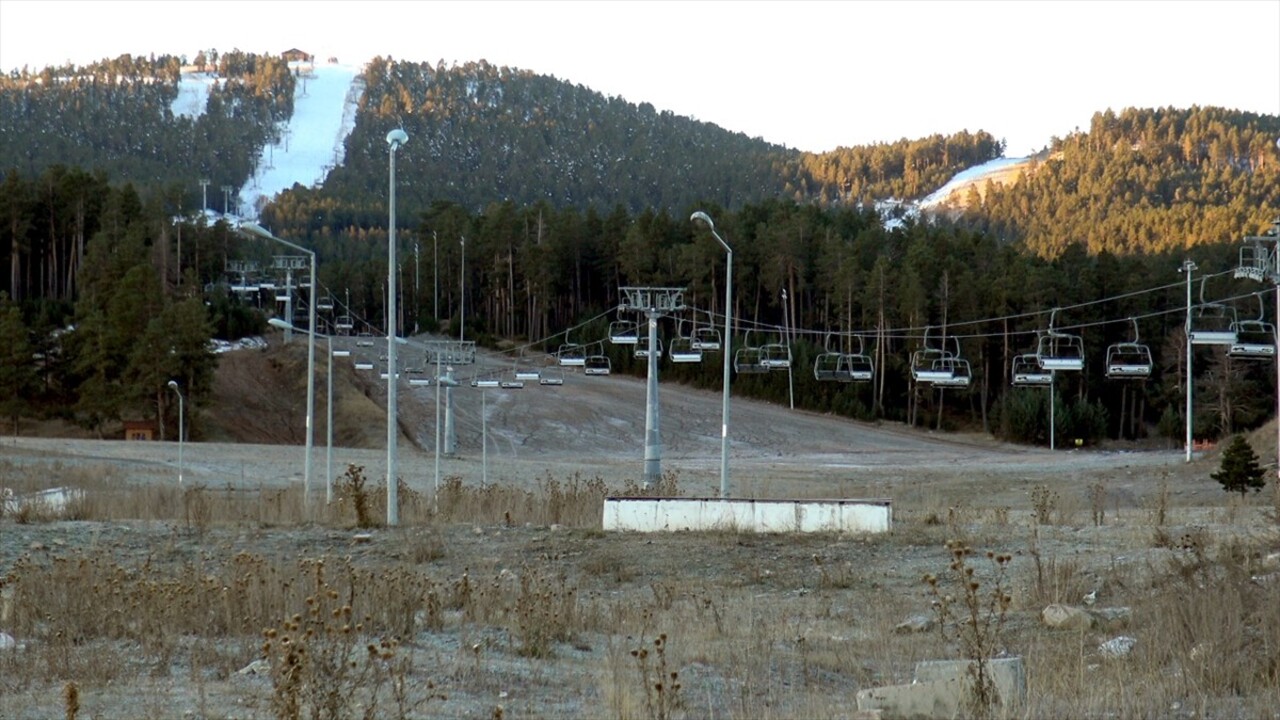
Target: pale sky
(809, 75)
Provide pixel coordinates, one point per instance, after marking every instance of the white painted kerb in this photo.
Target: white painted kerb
(674, 514)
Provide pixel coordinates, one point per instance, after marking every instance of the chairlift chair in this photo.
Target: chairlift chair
(683, 351)
(1211, 323)
(927, 365)
(525, 372)
(831, 366)
(511, 383)
(325, 303)
(748, 359)
(596, 365)
(642, 348)
(856, 367)
(707, 338)
(1129, 360)
(1256, 261)
(1058, 350)
(1028, 373)
(1255, 340)
(551, 376)
(859, 365)
(775, 356)
(624, 332)
(484, 381)
(572, 355)
(958, 374)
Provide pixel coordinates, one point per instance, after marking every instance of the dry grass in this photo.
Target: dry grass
(494, 590)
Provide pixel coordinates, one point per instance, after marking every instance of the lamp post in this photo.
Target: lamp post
(328, 453)
(435, 276)
(1187, 267)
(173, 385)
(395, 139)
(725, 346)
(258, 230)
(462, 293)
(786, 330)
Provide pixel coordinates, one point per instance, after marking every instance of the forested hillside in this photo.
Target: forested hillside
(1145, 180)
(559, 196)
(115, 117)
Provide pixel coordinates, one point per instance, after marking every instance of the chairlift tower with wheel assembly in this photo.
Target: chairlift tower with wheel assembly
(655, 303)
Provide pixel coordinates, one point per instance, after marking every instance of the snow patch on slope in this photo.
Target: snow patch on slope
(964, 177)
(311, 141)
(193, 94)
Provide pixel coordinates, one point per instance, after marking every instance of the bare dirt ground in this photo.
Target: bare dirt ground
(589, 425)
(759, 626)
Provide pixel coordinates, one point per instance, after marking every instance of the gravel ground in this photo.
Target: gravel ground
(594, 427)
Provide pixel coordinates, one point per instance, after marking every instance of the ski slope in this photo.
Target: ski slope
(310, 142)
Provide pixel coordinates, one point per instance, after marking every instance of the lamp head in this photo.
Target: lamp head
(397, 137)
(173, 384)
(256, 229)
(278, 323)
(704, 218)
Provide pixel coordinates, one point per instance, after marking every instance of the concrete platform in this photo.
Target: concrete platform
(769, 516)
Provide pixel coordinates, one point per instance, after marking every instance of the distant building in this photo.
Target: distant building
(139, 430)
(295, 55)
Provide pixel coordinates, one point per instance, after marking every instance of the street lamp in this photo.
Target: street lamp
(395, 139)
(462, 293)
(786, 330)
(258, 230)
(724, 350)
(1188, 266)
(173, 385)
(328, 452)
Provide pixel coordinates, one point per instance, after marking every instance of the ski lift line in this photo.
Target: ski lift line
(1038, 313)
(916, 333)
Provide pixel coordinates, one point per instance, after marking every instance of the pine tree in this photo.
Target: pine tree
(1240, 470)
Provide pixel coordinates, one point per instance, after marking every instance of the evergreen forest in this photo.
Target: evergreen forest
(559, 196)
